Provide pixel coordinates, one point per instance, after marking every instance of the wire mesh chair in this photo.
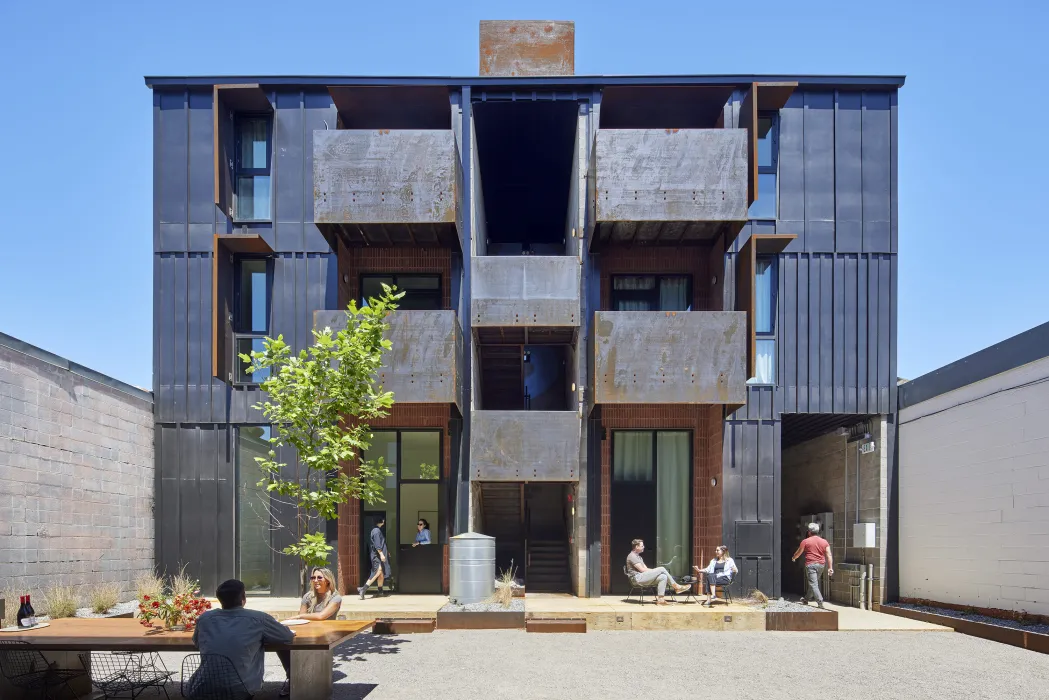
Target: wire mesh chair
(26, 668)
(211, 677)
(126, 672)
(641, 590)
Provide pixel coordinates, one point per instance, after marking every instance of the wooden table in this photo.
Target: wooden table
(311, 650)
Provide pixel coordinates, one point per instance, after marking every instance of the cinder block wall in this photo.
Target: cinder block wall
(974, 493)
(76, 474)
(814, 481)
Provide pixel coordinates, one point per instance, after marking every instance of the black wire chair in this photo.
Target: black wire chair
(211, 677)
(641, 590)
(26, 668)
(126, 672)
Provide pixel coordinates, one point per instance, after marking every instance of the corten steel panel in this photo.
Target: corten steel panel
(670, 357)
(425, 363)
(524, 445)
(687, 175)
(385, 176)
(527, 47)
(528, 290)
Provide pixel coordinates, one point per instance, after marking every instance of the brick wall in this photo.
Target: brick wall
(705, 423)
(76, 474)
(684, 260)
(405, 415)
(354, 262)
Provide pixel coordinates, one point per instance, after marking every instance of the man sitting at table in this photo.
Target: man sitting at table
(238, 634)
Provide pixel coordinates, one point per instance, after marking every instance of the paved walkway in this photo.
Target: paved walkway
(515, 665)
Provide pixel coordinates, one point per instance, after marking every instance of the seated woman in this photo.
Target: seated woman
(321, 603)
(423, 535)
(719, 572)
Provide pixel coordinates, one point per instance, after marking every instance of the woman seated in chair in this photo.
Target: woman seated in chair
(321, 603)
(719, 572)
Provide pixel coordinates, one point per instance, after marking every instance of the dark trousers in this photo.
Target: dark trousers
(715, 580)
(285, 661)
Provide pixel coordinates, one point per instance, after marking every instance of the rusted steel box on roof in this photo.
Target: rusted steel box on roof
(686, 178)
(527, 47)
(425, 363)
(696, 357)
(526, 290)
(385, 176)
(524, 445)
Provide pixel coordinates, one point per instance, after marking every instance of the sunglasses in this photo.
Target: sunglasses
(316, 578)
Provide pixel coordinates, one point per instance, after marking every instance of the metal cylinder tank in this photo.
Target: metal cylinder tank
(471, 568)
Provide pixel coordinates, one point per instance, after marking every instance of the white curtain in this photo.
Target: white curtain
(631, 456)
(673, 517)
(673, 294)
(765, 362)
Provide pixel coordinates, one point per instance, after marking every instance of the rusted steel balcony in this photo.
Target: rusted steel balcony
(668, 185)
(526, 290)
(425, 363)
(524, 445)
(388, 186)
(696, 357)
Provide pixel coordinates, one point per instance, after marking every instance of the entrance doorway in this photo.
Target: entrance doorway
(413, 493)
(651, 500)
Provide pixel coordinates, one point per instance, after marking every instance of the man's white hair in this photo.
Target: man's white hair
(814, 528)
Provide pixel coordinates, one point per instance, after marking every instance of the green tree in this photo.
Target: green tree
(321, 403)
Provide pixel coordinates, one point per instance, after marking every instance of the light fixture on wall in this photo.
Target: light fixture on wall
(346, 277)
(714, 281)
(713, 481)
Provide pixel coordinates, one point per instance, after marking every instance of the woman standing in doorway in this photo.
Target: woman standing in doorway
(321, 603)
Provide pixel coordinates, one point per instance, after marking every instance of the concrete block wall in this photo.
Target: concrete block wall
(974, 493)
(76, 474)
(814, 481)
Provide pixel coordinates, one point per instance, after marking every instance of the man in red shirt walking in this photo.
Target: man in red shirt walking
(817, 557)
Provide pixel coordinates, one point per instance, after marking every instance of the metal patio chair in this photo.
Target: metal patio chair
(725, 589)
(26, 668)
(126, 672)
(642, 590)
(211, 677)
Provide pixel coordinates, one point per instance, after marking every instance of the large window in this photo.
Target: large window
(651, 495)
(651, 293)
(411, 493)
(421, 292)
(765, 293)
(254, 553)
(254, 155)
(764, 207)
(251, 312)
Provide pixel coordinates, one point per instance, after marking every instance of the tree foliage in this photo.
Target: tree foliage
(321, 402)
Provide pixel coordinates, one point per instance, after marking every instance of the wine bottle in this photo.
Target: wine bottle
(23, 612)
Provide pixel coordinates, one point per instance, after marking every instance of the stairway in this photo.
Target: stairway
(548, 566)
(504, 520)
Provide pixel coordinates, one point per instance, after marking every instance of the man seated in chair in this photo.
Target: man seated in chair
(641, 575)
(238, 634)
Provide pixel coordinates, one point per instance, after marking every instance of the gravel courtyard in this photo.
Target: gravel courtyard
(761, 665)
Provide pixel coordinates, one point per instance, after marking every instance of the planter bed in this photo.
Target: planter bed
(1031, 637)
(119, 610)
(482, 616)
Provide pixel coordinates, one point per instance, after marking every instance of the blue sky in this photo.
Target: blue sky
(75, 175)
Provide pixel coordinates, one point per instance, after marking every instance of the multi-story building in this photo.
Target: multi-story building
(625, 297)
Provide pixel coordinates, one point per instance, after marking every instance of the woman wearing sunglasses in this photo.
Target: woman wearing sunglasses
(423, 535)
(321, 603)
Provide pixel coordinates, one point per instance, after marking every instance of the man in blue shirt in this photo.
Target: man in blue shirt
(239, 634)
(380, 558)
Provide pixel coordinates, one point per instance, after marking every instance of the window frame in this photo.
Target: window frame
(237, 506)
(642, 295)
(239, 169)
(772, 335)
(436, 534)
(238, 368)
(772, 169)
(437, 293)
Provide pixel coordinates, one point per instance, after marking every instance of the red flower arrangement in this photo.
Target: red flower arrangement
(180, 610)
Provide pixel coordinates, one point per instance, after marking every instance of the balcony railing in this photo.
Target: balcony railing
(668, 185)
(695, 357)
(425, 363)
(526, 290)
(524, 445)
(388, 186)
